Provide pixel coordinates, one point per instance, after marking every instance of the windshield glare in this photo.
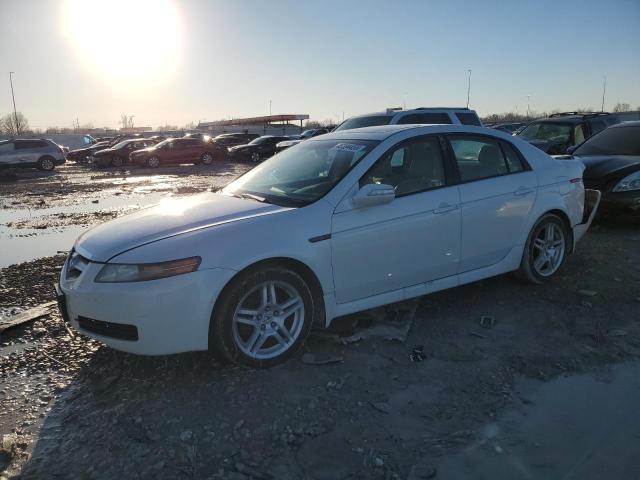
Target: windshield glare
(360, 122)
(557, 132)
(612, 141)
(259, 140)
(121, 144)
(302, 174)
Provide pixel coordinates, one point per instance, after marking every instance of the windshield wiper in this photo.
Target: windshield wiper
(251, 196)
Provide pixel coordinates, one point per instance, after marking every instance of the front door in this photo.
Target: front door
(497, 192)
(411, 240)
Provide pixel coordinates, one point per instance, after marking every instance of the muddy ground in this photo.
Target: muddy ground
(545, 388)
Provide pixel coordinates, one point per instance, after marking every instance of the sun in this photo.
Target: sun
(124, 38)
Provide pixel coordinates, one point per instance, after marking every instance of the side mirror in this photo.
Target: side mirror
(373, 194)
(571, 149)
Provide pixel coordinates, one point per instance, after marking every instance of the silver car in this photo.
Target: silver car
(33, 152)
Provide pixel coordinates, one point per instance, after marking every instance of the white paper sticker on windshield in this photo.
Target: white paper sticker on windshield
(348, 147)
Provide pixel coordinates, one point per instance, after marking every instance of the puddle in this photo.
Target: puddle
(23, 244)
(575, 427)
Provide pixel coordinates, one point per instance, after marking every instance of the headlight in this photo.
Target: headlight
(630, 182)
(119, 272)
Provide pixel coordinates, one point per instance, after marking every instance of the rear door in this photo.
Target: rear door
(497, 191)
(409, 241)
(28, 151)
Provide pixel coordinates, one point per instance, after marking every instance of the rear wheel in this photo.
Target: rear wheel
(255, 157)
(153, 162)
(263, 317)
(46, 164)
(545, 251)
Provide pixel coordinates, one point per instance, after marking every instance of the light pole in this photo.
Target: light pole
(15, 113)
(269, 107)
(604, 90)
(468, 86)
(528, 98)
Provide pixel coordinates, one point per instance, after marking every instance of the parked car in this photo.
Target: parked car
(117, 155)
(228, 140)
(427, 116)
(82, 155)
(337, 224)
(178, 150)
(307, 134)
(555, 134)
(256, 150)
(40, 153)
(612, 160)
(507, 127)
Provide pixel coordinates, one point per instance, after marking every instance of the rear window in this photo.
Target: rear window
(428, 118)
(612, 141)
(24, 144)
(467, 118)
(361, 122)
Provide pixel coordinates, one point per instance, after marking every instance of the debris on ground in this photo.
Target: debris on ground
(417, 354)
(487, 321)
(321, 359)
(587, 293)
(26, 316)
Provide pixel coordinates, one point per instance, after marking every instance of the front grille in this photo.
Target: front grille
(120, 331)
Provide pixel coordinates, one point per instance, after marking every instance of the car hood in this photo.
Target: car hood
(169, 218)
(240, 147)
(603, 166)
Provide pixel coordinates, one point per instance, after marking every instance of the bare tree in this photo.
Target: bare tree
(9, 126)
(622, 107)
(126, 121)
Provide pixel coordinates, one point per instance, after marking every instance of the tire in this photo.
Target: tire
(246, 321)
(46, 164)
(206, 158)
(544, 253)
(117, 162)
(255, 157)
(153, 162)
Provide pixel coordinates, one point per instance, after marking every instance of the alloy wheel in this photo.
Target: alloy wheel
(255, 157)
(117, 162)
(268, 320)
(207, 159)
(548, 249)
(46, 164)
(153, 162)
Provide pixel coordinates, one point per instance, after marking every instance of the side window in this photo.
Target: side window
(6, 147)
(467, 118)
(428, 118)
(25, 144)
(478, 158)
(579, 134)
(514, 163)
(410, 168)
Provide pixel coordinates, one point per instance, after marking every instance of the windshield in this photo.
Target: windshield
(557, 132)
(359, 122)
(260, 140)
(307, 133)
(612, 141)
(163, 143)
(302, 174)
(121, 144)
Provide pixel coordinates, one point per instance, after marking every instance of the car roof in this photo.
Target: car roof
(634, 123)
(383, 132)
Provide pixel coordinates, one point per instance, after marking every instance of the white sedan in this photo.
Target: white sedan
(338, 224)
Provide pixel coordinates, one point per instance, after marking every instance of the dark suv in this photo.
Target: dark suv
(117, 155)
(227, 140)
(560, 131)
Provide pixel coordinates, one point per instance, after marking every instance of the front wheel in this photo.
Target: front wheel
(153, 162)
(545, 251)
(206, 159)
(255, 157)
(117, 162)
(263, 317)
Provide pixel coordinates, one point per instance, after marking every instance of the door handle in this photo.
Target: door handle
(444, 208)
(523, 191)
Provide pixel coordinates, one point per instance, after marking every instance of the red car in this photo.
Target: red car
(178, 150)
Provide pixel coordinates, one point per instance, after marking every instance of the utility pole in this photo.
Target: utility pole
(604, 90)
(468, 86)
(528, 98)
(269, 107)
(15, 113)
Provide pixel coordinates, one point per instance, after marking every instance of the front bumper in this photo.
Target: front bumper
(629, 201)
(165, 316)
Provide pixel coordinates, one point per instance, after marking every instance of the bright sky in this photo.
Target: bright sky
(180, 61)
